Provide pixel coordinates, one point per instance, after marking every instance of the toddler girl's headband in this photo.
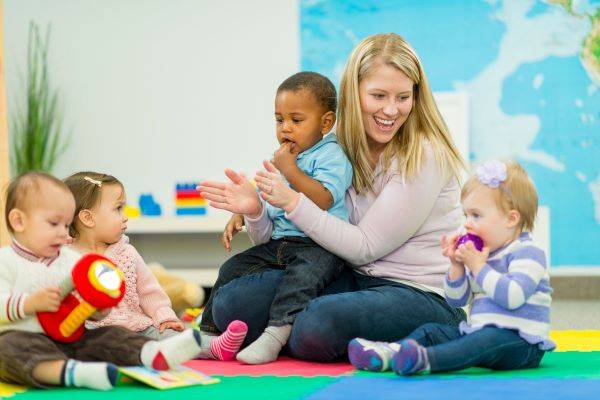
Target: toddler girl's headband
(94, 181)
(491, 173)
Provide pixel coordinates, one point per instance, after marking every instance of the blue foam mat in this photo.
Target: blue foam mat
(464, 389)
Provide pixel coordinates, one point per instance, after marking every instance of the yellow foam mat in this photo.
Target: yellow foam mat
(572, 340)
(8, 390)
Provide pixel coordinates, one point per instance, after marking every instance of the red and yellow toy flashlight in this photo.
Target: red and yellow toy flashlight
(95, 283)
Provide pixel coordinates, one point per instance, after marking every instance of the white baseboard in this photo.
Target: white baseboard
(579, 270)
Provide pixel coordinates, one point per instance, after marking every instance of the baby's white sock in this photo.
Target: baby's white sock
(92, 375)
(172, 351)
(266, 348)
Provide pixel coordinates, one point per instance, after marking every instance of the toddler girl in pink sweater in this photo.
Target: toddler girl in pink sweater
(98, 227)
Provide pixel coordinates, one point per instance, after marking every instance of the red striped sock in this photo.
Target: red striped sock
(226, 346)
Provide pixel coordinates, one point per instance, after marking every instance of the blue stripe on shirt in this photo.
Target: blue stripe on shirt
(531, 312)
(530, 253)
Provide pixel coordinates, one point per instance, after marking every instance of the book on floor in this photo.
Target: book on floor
(179, 376)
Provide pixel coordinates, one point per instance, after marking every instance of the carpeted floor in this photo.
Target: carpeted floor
(573, 372)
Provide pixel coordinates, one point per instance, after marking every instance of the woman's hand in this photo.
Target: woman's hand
(234, 225)
(275, 190)
(238, 196)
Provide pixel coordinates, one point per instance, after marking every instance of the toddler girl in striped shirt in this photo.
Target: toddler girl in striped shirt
(506, 285)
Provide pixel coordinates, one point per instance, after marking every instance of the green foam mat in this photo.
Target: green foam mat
(569, 364)
(565, 365)
(229, 388)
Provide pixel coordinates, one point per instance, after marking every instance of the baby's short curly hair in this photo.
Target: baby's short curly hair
(317, 84)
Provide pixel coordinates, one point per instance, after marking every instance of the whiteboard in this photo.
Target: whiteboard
(161, 91)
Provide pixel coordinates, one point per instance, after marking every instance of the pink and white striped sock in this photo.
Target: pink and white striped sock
(226, 346)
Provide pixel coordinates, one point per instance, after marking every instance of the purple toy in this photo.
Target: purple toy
(469, 237)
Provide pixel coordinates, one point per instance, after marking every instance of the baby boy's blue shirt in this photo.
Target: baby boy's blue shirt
(327, 163)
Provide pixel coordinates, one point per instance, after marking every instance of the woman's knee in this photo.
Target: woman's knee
(228, 305)
(316, 335)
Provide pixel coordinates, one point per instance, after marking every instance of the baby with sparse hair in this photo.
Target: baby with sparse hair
(507, 285)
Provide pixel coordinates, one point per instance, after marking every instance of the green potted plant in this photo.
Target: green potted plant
(36, 126)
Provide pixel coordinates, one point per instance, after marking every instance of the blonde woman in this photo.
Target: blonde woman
(404, 196)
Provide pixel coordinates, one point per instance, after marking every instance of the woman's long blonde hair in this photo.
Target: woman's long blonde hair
(423, 123)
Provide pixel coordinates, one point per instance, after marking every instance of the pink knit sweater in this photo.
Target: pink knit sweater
(145, 303)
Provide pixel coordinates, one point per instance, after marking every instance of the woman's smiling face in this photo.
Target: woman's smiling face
(386, 99)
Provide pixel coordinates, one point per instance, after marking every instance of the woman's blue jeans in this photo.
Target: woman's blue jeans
(354, 305)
